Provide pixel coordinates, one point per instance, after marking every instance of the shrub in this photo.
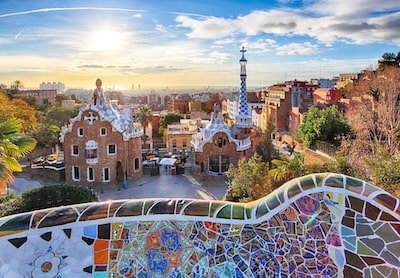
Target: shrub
(45, 197)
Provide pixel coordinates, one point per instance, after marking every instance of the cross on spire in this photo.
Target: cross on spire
(91, 118)
(243, 50)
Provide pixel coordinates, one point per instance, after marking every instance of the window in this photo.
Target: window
(174, 143)
(75, 173)
(136, 164)
(103, 131)
(90, 174)
(75, 150)
(112, 149)
(106, 174)
(80, 132)
(184, 143)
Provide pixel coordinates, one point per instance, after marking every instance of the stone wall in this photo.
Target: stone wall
(321, 225)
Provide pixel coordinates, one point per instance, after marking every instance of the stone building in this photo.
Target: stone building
(217, 146)
(102, 146)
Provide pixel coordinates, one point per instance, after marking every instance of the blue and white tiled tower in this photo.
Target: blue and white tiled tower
(243, 118)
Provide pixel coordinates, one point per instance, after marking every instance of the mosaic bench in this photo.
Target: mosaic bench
(320, 225)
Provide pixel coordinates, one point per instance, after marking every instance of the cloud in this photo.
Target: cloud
(95, 67)
(137, 15)
(45, 10)
(225, 41)
(5, 40)
(260, 45)
(161, 28)
(215, 57)
(297, 49)
(18, 35)
(327, 21)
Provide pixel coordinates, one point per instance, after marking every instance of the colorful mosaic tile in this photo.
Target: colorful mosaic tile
(325, 225)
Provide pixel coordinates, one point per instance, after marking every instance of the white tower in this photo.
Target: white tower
(243, 118)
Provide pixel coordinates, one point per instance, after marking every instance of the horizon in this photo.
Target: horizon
(189, 44)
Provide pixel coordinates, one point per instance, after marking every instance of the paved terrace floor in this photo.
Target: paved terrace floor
(168, 186)
(162, 186)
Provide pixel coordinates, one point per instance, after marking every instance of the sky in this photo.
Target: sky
(191, 43)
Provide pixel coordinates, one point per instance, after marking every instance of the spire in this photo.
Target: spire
(243, 118)
(98, 95)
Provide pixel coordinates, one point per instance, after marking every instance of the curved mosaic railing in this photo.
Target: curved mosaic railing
(318, 225)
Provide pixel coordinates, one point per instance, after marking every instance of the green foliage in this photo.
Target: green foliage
(13, 145)
(384, 169)
(286, 169)
(324, 125)
(47, 136)
(60, 116)
(249, 180)
(60, 98)
(341, 165)
(389, 59)
(10, 206)
(171, 118)
(265, 148)
(45, 197)
(54, 196)
(144, 115)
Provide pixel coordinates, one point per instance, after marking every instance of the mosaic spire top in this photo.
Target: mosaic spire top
(243, 118)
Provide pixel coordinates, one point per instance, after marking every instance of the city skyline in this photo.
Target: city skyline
(191, 44)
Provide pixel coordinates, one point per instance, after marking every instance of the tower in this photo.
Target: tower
(98, 94)
(243, 117)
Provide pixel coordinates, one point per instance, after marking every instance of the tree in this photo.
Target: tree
(286, 169)
(327, 125)
(13, 145)
(389, 59)
(249, 180)
(144, 115)
(374, 147)
(265, 148)
(340, 164)
(376, 116)
(208, 106)
(18, 108)
(60, 116)
(171, 118)
(47, 136)
(17, 85)
(384, 170)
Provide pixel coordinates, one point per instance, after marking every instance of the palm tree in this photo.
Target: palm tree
(144, 116)
(13, 145)
(287, 169)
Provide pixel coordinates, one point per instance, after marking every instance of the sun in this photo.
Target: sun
(106, 40)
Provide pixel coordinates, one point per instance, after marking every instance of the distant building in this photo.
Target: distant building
(276, 109)
(58, 86)
(41, 96)
(295, 120)
(323, 97)
(180, 105)
(102, 146)
(346, 78)
(179, 136)
(154, 101)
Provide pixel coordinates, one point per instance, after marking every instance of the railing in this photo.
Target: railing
(320, 225)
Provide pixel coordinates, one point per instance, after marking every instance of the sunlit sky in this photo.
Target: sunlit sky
(191, 43)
